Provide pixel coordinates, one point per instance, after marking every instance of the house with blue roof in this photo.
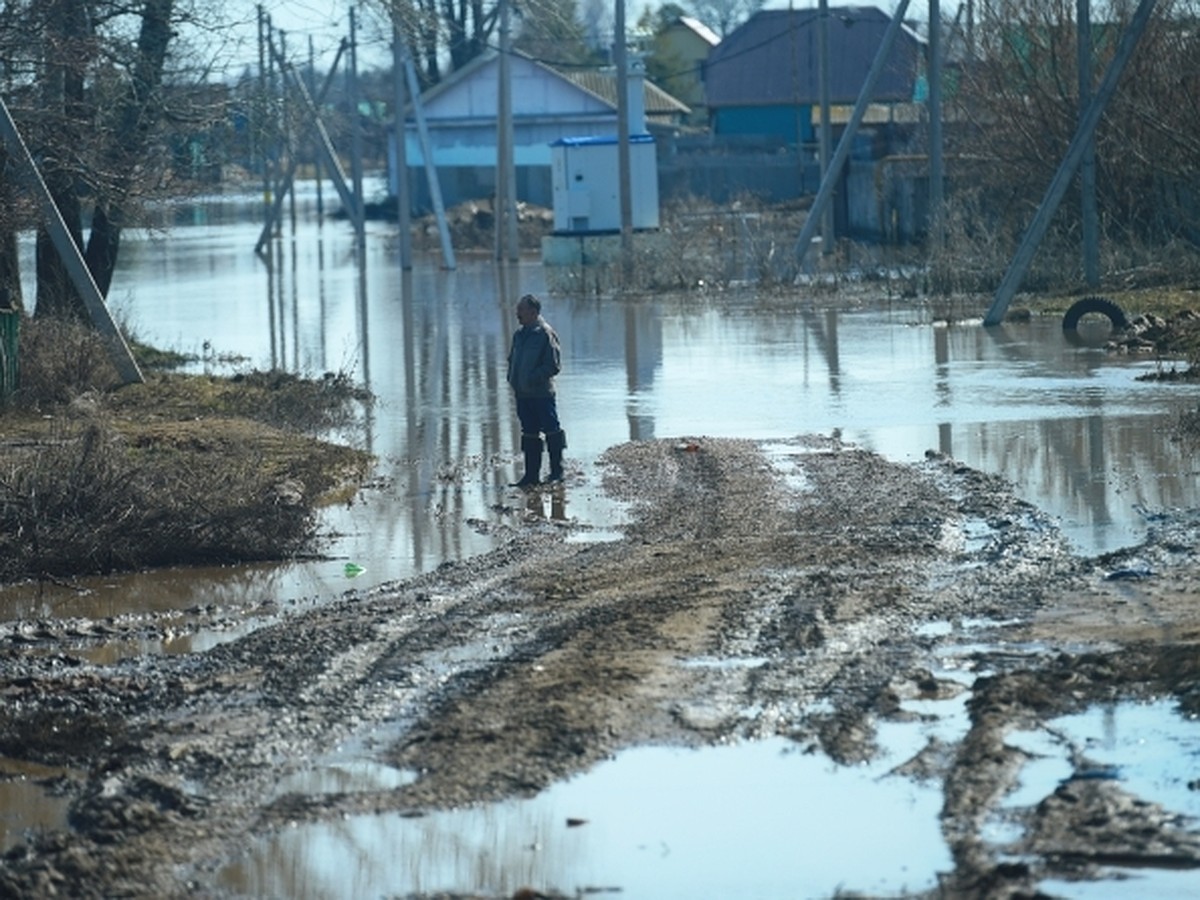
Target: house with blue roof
(764, 78)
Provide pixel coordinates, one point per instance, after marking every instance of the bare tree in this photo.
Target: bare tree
(552, 31)
(1017, 107)
(596, 17)
(462, 30)
(84, 78)
(723, 16)
(135, 115)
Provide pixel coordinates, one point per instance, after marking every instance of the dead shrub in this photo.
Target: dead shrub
(177, 470)
(60, 359)
(86, 501)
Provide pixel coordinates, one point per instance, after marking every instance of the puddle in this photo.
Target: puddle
(729, 663)
(1159, 885)
(1150, 748)
(345, 777)
(756, 820)
(26, 806)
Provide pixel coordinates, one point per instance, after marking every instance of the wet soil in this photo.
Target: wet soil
(503, 673)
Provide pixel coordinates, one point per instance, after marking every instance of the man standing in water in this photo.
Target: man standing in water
(533, 361)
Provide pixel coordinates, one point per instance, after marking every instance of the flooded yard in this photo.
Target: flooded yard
(1069, 424)
(752, 647)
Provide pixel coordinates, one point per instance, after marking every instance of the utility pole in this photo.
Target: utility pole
(316, 157)
(293, 153)
(1066, 169)
(1089, 215)
(259, 131)
(937, 175)
(435, 188)
(624, 187)
(403, 200)
(505, 213)
(825, 191)
(68, 252)
(287, 180)
(826, 135)
(356, 148)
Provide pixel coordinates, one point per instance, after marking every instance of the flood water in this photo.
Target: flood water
(1070, 425)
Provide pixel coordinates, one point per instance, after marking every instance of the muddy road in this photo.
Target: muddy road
(507, 672)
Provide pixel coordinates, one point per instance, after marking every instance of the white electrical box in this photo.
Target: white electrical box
(586, 188)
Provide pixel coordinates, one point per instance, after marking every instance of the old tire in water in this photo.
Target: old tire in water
(1099, 305)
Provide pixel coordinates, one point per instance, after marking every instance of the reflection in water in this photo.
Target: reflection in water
(757, 820)
(1067, 423)
(25, 804)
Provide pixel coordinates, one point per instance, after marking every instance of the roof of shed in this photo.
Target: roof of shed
(602, 83)
(599, 84)
(772, 59)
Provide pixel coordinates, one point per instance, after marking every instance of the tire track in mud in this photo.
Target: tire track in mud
(724, 561)
(800, 580)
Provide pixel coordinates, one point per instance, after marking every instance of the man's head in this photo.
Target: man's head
(529, 308)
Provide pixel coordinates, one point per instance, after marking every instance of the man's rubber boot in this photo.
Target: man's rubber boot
(555, 443)
(531, 444)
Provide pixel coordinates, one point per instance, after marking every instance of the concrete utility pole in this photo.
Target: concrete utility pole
(829, 179)
(624, 169)
(68, 252)
(403, 199)
(1066, 170)
(316, 160)
(826, 135)
(356, 146)
(261, 118)
(324, 144)
(505, 213)
(435, 188)
(937, 222)
(1089, 215)
(286, 184)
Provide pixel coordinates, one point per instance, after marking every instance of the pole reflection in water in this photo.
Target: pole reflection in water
(1069, 425)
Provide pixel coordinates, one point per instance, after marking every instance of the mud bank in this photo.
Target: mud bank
(847, 577)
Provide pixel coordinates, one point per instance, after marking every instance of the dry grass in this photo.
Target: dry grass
(179, 470)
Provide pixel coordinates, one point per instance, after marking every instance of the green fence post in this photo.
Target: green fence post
(10, 329)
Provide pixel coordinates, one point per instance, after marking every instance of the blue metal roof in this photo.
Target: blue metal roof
(772, 59)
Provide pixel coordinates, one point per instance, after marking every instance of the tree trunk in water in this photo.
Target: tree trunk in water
(136, 118)
(63, 97)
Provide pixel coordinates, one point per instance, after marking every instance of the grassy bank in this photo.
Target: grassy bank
(183, 469)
